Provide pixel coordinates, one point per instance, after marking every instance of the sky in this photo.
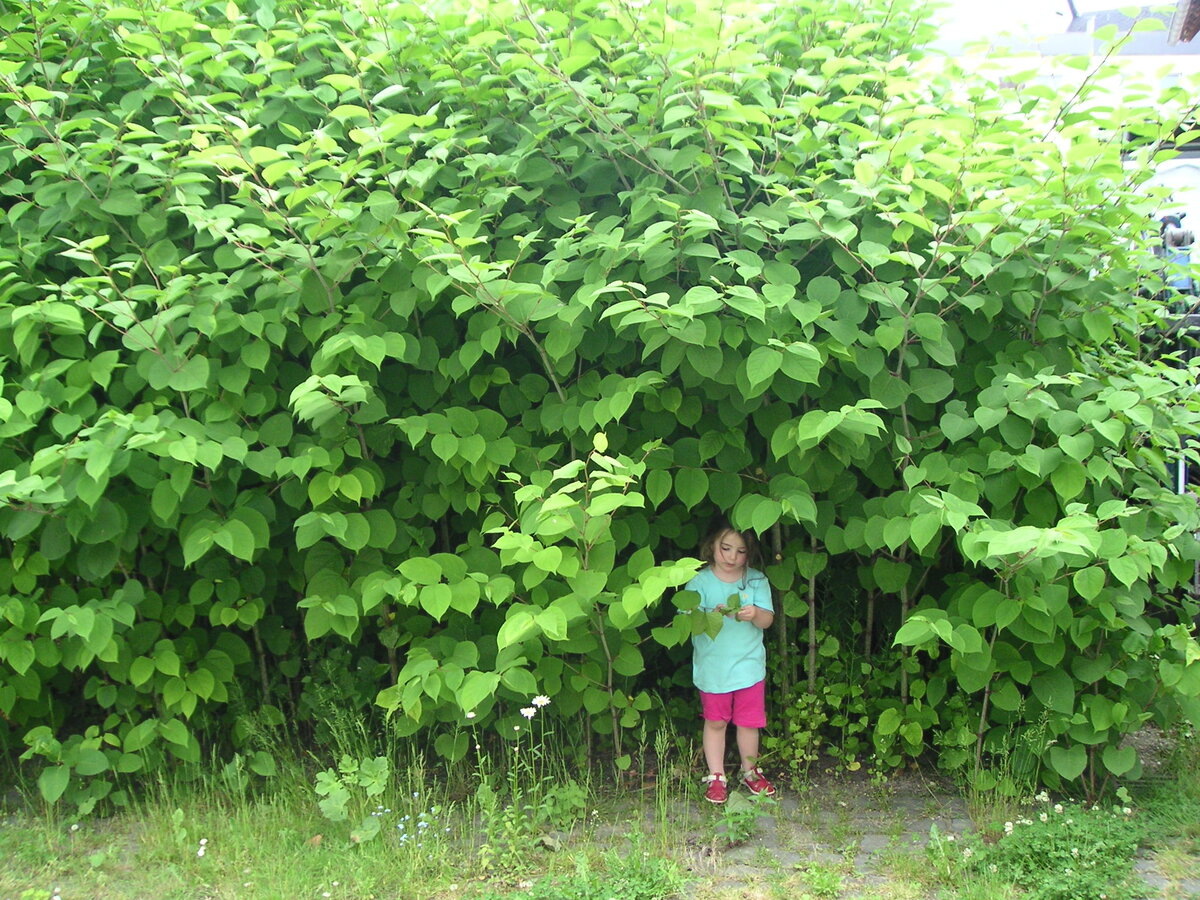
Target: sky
(1035, 18)
(965, 22)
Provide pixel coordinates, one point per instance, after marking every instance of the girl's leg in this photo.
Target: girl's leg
(713, 742)
(747, 741)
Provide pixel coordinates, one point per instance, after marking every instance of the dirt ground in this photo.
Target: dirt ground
(853, 838)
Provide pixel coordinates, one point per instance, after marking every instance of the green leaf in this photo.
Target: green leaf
(1077, 446)
(956, 427)
(237, 538)
(90, 762)
(1056, 690)
(765, 515)
(1125, 570)
(198, 541)
(128, 763)
(823, 290)
(1112, 430)
(477, 687)
(1068, 479)
(318, 622)
(1119, 760)
(888, 722)
(923, 529)
(1068, 762)
(932, 385)
(658, 486)
(122, 202)
(802, 362)
(761, 366)
(520, 681)
(53, 781)
(890, 575)
(988, 418)
(914, 632)
(518, 626)
(174, 731)
(263, 763)
(445, 445)
(1089, 582)
(421, 570)
(553, 623)
(435, 599)
(190, 376)
(691, 486)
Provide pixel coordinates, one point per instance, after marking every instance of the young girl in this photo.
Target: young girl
(730, 670)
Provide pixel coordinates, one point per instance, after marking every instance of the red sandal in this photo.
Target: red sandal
(756, 782)
(718, 789)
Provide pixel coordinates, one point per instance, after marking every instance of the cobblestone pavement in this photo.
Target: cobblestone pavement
(852, 840)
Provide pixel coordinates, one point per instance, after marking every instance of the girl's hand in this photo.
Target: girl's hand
(746, 613)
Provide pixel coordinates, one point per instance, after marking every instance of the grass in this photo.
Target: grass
(199, 836)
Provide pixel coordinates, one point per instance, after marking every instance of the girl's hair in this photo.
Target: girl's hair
(720, 526)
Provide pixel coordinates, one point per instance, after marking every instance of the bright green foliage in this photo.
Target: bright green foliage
(1055, 852)
(435, 337)
(350, 791)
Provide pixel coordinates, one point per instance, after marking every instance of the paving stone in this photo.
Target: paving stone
(859, 837)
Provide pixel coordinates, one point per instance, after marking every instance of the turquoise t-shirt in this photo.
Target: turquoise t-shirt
(736, 658)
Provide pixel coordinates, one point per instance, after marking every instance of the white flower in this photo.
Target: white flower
(1075, 852)
(75, 826)
(471, 714)
(1008, 827)
(1044, 817)
(1126, 811)
(1058, 807)
(529, 712)
(951, 838)
(1043, 797)
(540, 700)
(968, 853)
(516, 728)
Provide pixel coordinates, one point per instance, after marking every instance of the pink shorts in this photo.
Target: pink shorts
(746, 707)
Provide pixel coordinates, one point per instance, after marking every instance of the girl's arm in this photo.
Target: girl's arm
(756, 616)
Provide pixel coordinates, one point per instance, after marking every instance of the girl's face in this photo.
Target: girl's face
(729, 555)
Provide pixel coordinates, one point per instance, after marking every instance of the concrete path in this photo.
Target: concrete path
(852, 840)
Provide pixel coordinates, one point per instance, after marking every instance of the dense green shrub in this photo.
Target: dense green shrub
(423, 343)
